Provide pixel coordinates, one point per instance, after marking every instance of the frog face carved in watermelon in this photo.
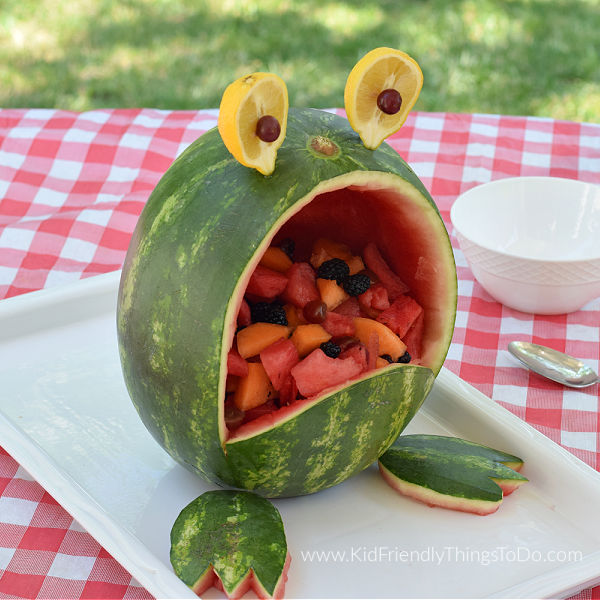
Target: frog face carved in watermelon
(192, 265)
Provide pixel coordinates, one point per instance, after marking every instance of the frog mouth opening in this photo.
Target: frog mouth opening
(357, 210)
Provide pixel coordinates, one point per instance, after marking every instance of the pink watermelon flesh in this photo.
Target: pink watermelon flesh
(319, 371)
(356, 218)
(338, 324)
(244, 317)
(236, 365)
(376, 298)
(372, 351)
(250, 582)
(401, 315)
(433, 499)
(288, 391)
(374, 261)
(301, 285)
(350, 308)
(278, 360)
(358, 353)
(414, 336)
(266, 283)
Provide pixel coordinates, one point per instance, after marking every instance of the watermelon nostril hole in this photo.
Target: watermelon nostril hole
(324, 146)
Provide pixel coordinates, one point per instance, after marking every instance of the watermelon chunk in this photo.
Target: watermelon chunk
(301, 285)
(244, 317)
(266, 283)
(358, 353)
(375, 298)
(413, 337)
(372, 351)
(338, 325)
(318, 372)
(401, 315)
(278, 360)
(288, 391)
(374, 261)
(236, 365)
(350, 308)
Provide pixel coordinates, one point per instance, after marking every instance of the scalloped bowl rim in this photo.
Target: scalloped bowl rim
(528, 192)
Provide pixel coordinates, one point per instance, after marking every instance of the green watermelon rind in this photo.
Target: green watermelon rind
(275, 462)
(450, 472)
(210, 216)
(236, 535)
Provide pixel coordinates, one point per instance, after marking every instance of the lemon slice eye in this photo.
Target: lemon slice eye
(380, 91)
(253, 119)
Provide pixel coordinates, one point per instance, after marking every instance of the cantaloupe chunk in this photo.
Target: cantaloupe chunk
(325, 249)
(331, 293)
(276, 259)
(293, 316)
(256, 337)
(356, 265)
(381, 362)
(307, 338)
(254, 389)
(389, 342)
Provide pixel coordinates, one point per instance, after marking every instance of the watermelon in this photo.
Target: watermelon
(376, 263)
(278, 360)
(451, 473)
(375, 298)
(400, 315)
(201, 235)
(301, 287)
(318, 372)
(266, 283)
(338, 324)
(232, 540)
(244, 315)
(236, 365)
(349, 308)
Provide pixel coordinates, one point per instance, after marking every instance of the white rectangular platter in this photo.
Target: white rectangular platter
(65, 416)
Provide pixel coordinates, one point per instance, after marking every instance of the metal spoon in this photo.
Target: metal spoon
(554, 365)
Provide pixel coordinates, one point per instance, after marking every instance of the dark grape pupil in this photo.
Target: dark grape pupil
(389, 101)
(268, 128)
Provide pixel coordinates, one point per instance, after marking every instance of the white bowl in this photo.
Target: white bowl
(533, 243)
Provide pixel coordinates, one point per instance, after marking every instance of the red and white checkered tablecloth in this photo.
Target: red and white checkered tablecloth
(71, 188)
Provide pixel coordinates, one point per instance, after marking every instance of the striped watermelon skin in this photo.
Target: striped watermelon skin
(451, 472)
(343, 432)
(236, 535)
(196, 243)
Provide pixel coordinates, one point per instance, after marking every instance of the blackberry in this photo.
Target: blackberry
(355, 285)
(387, 357)
(331, 349)
(265, 312)
(334, 268)
(405, 358)
(288, 245)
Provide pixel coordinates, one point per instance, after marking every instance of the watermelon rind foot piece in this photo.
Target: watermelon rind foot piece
(450, 472)
(233, 540)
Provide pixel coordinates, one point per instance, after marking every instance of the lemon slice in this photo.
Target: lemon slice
(380, 91)
(253, 107)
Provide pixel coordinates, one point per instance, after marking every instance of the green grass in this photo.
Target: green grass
(525, 57)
